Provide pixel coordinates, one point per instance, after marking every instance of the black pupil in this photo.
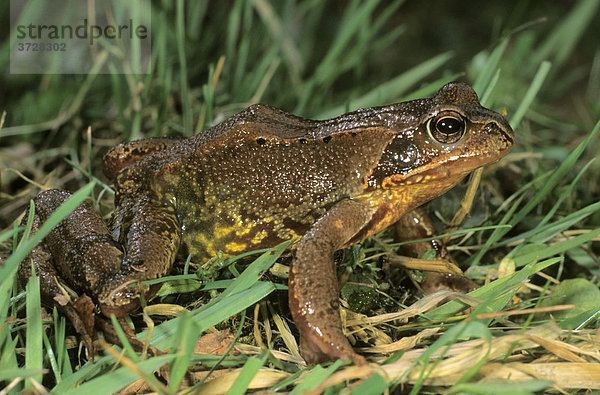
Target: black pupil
(449, 125)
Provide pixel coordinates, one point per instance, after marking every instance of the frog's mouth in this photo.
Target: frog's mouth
(451, 169)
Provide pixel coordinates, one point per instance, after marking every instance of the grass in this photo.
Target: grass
(531, 239)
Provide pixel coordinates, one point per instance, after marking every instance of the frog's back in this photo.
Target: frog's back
(264, 176)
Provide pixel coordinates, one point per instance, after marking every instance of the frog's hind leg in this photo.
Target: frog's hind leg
(54, 291)
(76, 251)
(81, 252)
(149, 233)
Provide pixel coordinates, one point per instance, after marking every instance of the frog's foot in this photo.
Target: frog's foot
(441, 273)
(316, 350)
(435, 281)
(81, 316)
(106, 327)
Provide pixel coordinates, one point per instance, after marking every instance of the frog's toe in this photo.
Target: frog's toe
(438, 281)
(317, 351)
(82, 321)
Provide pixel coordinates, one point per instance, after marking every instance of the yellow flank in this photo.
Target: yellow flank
(221, 232)
(258, 237)
(235, 247)
(243, 231)
(201, 239)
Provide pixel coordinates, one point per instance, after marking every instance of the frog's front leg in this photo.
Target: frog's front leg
(416, 225)
(313, 285)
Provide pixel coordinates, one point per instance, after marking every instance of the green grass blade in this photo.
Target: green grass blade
(374, 385)
(52, 358)
(226, 353)
(123, 339)
(491, 67)
(9, 369)
(9, 233)
(431, 88)
(8, 356)
(211, 314)
(485, 97)
(566, 193)
(64, 363)
(186, 337)
(183, 76)
(18, 373)
(242, 293)
(253, 272)
(251, 367)
(563, 39)
(462, 330)
(502, 289)
(116, 380)
(555, 249)
(86, 372)
(34, 351)
(544, 233)
(531, 93)
(316, 376)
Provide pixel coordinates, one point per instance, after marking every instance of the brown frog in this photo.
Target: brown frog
(260, 178)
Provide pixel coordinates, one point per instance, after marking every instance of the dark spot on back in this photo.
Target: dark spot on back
(261, 141)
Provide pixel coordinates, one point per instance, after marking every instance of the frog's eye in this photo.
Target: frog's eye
(446, 127)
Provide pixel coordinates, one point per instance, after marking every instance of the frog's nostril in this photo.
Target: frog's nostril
(506, 134)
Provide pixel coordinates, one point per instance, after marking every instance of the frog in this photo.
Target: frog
(255, 180)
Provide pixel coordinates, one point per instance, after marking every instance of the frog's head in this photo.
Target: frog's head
(440, 140)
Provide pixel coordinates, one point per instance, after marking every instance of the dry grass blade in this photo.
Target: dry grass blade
(248, 349)
(428, 265)
(132, 366)
(526, 311)
(462, 356)
(165, 309)
(467, 202)
(454, 361)
(406, 343)
(286, 335)
(256, 329)
(421, 306)
(558, 348)
(263, 379)
(563, 374)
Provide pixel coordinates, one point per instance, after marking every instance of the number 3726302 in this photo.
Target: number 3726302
(40, 47)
